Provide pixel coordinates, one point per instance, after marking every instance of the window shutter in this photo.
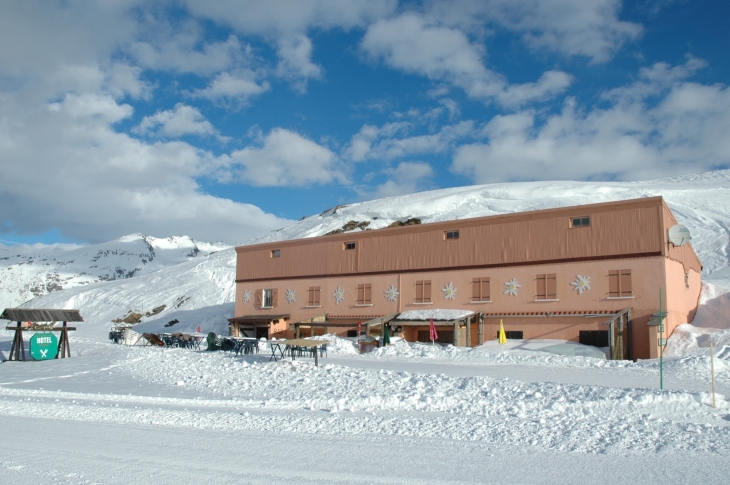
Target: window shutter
(360, 294)
(613, 284)
(476, 289)
(368, 294)
(625, 282)
(310, 296)
(541, 287)
(259, 299)
(274, 297)
(316, 296)
(486, 289)
(426, 291)
(419, 291)
(552, 287)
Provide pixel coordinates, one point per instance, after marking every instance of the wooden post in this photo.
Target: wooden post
(316, 359)
(610, 339)
(468, 332)
(629, 343)
(620, 337)
(455, 338)
(480, 330)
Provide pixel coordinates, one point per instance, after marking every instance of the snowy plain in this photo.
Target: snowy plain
(408, 413)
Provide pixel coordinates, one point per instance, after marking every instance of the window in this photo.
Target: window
(352, 333)
(452, 234)
(313, 296)
(512, 334)
(547, 287)
(350, 245)
(580, 221)
(267, 298)
(597, 338)
(480, 289)
(364, 294)
(275, 253)
(619, 283)
(423, 291)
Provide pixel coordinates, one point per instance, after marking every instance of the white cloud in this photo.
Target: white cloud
(290, 17)
(659, 126)
(95, 184)
(234, 87)
(179, 121)
(285, 158)
(182, 49)
(589, 28)
(411, 44)
(406, 178)
(388, 142)
(295, 63)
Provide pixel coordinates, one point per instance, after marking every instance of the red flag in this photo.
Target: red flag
(433, 335)
(198, 329)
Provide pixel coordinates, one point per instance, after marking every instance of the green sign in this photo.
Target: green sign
(43, 346)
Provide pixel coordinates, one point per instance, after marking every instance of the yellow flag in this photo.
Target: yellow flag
(502, 336)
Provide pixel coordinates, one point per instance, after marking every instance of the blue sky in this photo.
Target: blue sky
(225, 119)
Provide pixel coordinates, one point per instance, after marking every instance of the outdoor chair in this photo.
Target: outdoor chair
(322, 350)
(214, 342)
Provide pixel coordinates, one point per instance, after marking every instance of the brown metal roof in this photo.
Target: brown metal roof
(41, 315)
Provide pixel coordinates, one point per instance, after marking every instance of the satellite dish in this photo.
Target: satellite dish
(679, 235)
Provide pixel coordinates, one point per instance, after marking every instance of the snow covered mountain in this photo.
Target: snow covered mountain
(701, 202)
(28, 273)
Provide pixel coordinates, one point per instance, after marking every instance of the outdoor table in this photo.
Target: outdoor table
(303, 342)
(276, 345)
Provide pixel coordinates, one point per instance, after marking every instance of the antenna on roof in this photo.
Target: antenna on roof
(679, 235)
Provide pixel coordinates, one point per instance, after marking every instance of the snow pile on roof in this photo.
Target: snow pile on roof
(435, 313)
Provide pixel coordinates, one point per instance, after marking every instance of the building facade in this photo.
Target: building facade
(590, 273)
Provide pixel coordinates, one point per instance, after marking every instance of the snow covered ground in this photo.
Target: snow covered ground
(434, 415)
(532, 412)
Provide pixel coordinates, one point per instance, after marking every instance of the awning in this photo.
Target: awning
(327, 320)
(41, 315)
(566, 313)
(440, 317)
(258, 319)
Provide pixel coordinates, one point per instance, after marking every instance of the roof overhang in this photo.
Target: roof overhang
(41, 315)
(258, 319)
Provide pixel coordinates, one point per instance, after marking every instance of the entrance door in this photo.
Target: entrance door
(262, 332)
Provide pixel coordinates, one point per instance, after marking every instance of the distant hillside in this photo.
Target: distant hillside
(27, 274)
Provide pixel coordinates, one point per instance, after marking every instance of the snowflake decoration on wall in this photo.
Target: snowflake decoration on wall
(291, 296)
(449, 291)
(247, 296)
(338, 295)
(512, 287)
(391, 294)
(582, 283)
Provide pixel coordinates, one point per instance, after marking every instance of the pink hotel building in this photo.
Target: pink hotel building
(590, 274)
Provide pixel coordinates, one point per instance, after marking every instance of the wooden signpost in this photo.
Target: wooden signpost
(42, 321)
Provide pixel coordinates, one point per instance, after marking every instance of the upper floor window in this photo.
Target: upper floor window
(619, 283)
(313, 296)
(580, 221)
(480, 289)
(364, 294)
(452, 234)
(423, 291)
(275, 253)
(267, 298)
(547, 287)
(350, 245)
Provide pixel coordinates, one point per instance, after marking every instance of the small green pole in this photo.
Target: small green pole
(661, 347)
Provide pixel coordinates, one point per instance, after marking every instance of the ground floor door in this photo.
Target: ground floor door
(262, 332)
